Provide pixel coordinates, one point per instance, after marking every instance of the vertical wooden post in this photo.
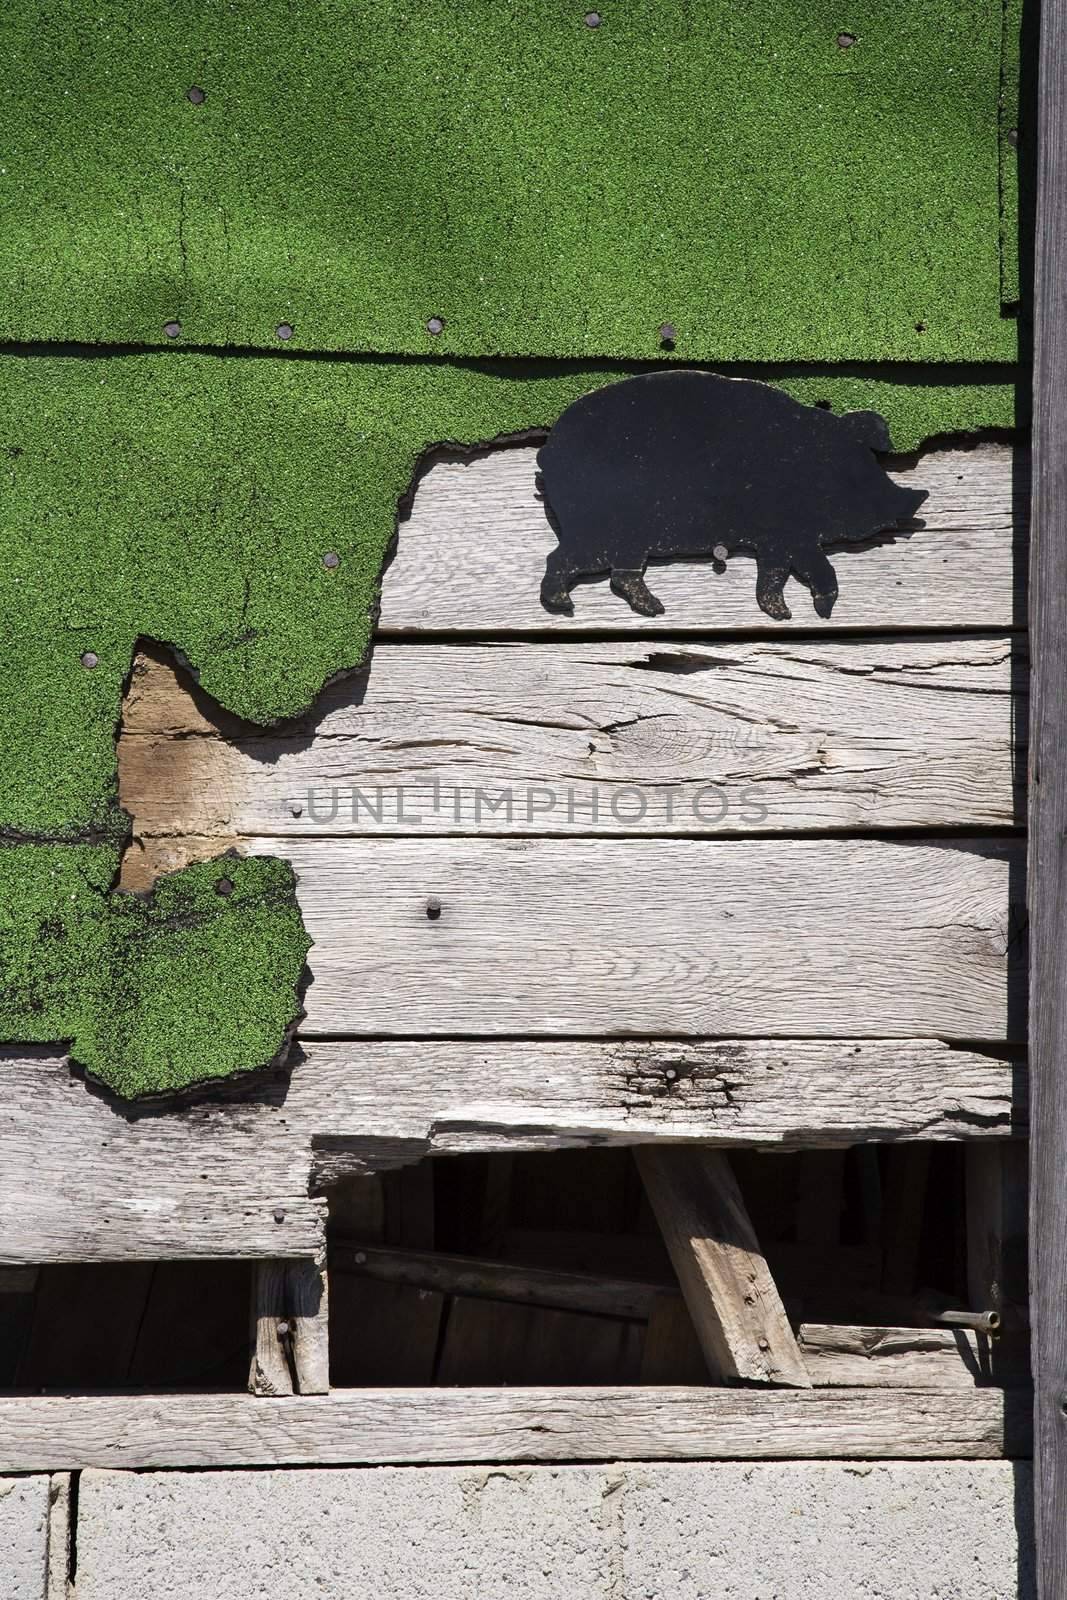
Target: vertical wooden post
(270, 1372)
(1047, 888)
(309, 1322)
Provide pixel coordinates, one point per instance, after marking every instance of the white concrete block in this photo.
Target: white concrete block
(24, 1538)
(799, 1530)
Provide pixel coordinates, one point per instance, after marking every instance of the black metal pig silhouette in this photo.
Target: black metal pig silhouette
(676, 464)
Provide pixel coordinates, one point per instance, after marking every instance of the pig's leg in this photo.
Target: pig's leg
(821, 579)
(630, 583)
(556, 583)
(770, 582)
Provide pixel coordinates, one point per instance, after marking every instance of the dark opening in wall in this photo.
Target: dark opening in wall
(167, 1325)
(552, 1269)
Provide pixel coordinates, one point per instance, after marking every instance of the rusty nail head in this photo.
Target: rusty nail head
(89, 658)
(296, 810)
(331, 560)
(196, 95)
(433, 908)
(284, 330)
(1013, 137)
(279, 1213)
(592, 19)
(435, 325)
(224, 886)
(172, 330)
(668, 332)
(361, 1258)
(764, 1344)
(720, 552)
(283, 1329)
(845, 41)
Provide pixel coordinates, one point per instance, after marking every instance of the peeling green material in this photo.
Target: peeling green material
(354, 169)
(157, 992)
(191, 499)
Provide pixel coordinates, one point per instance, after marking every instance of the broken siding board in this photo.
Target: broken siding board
(959, 571)
(642, 937)
(218, 1172)
(356, 1427)
(745, 737)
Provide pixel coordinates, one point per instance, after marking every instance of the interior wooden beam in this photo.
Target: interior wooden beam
(732, 1298)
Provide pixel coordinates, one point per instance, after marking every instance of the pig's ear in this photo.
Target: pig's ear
(868, 428)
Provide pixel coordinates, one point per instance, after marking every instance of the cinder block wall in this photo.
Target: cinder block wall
(636, 1531)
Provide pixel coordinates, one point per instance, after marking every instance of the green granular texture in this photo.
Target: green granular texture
(154, 993)
(191, 499)
(1011, 55)
(359, 167)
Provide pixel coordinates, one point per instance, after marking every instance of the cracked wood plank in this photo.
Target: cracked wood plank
(639, 938)
(372, 1426)
(732, 1298)
(763, 736)
(964, 570)
(229, 1176)
(839, 1356)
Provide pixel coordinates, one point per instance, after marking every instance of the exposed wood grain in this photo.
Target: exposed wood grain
(732, 1299)
(308, 1307)
(619, 737)
(907, 1358)
(54, 1433)
(1048, 812)
(691, 937)
(957, 572)
(211, 1180)
(499, 1280)
(270, 1373)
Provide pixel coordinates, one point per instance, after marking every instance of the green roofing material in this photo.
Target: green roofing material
(195, 982)
(358, 167)
(1009, 153)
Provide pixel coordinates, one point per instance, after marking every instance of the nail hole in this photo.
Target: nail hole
(435, 326)
(592, 19)
(284, 330)
(172, 330)
(196, 94)
(331, 560)
(295, 810)
(89, 658)
(224, 886)
(845, 41)
(920, 327)
(433, 908)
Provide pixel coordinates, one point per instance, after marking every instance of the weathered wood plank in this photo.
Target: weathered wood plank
(1048, 811)
(270, 1373)
(80, 1182)
(620, 737)
(691, 937)
(838, 1356)
(357, 1426)
(500, 1280)
(957, 572)
(736, 1309)
(308, 1306)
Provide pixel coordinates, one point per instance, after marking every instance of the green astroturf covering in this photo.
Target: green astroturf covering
(191, 499)
(358, 167)
(1009, 154)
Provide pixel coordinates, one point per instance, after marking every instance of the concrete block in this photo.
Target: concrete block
(24, 1538)
(797, 1530)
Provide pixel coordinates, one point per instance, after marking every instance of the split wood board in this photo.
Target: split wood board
(231, 1178)
(618, 737)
